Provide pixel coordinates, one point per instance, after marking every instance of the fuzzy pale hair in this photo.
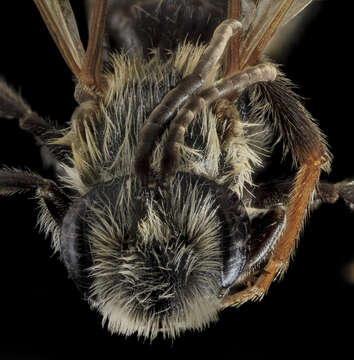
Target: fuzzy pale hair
(161, 274)
(104, 138)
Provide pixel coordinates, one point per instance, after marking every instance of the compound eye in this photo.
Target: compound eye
(74, 247)
(235, 235)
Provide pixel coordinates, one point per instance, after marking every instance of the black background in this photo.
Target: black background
(311, 310)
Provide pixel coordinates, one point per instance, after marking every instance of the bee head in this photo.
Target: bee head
(155, 261)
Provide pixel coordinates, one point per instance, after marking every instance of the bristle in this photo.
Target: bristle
(27, 183)
(12, 105)
(276, 105)
(159, 273)
(47, 225)
(105, 142)
(162, 274)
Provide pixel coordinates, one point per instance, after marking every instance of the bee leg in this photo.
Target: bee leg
(46, 134)
(18, 181)
(266, 227)
(162, 114)
(266, 195)
(13, 106)
(345, 190)
(232, 56)
(330, 193)
(236, 83)
(268, 220)
(301, 136)
(305, 182)
(299, 199)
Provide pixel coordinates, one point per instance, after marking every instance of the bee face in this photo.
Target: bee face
(152, 260)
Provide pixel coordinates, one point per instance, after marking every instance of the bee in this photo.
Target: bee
(165, 207)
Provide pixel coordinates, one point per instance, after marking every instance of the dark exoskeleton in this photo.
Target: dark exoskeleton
(162, 209)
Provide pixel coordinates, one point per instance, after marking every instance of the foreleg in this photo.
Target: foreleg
(12, 106)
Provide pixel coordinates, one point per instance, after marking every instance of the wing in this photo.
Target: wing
(290, 33)
(261, 19)
(61, 23)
